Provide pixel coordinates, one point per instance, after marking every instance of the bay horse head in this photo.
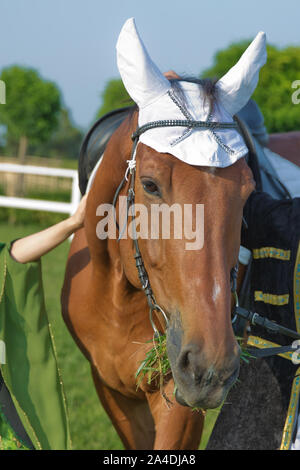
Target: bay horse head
(177, 165)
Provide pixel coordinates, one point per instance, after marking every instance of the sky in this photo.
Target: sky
(72, 42)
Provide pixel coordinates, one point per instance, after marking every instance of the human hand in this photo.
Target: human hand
(171, 74)
(79, 215)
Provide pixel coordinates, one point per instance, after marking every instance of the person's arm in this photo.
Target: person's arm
(32, 247)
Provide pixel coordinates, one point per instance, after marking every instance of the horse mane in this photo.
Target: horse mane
(206, 85)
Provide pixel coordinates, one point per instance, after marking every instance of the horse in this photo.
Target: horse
(104, 303)
(106, 310)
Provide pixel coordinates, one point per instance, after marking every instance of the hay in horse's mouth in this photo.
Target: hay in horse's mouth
(156, 364)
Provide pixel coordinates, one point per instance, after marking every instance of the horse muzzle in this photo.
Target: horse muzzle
(200, 383)
(209, 393)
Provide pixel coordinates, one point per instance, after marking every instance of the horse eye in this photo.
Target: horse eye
(150, 187)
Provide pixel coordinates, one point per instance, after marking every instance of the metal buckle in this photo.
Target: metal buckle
(158, 308)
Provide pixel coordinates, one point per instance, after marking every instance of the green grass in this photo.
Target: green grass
(90, 426)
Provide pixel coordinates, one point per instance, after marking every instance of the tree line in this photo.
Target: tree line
(33, 119)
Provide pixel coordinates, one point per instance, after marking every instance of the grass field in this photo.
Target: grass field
(90, 426)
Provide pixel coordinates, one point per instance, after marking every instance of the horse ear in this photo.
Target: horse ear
(142, 79)
(237, 85)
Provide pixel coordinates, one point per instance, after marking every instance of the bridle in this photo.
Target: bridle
(131, 172)
(252, 317)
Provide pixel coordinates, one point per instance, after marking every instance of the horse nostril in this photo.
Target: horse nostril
(183, 361)
(193, 369)
(189, 364)
(187, 357)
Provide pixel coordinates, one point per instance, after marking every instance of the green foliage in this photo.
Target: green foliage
(65, 141)
(114, 96)
(8, 439)
(274, 91)
(32, 104)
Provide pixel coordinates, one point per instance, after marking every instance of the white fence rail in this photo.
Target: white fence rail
(38, 204)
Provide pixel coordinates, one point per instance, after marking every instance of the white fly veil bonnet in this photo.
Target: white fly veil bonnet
(157, 100)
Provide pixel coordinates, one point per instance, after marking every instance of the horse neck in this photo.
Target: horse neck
(105, 254)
